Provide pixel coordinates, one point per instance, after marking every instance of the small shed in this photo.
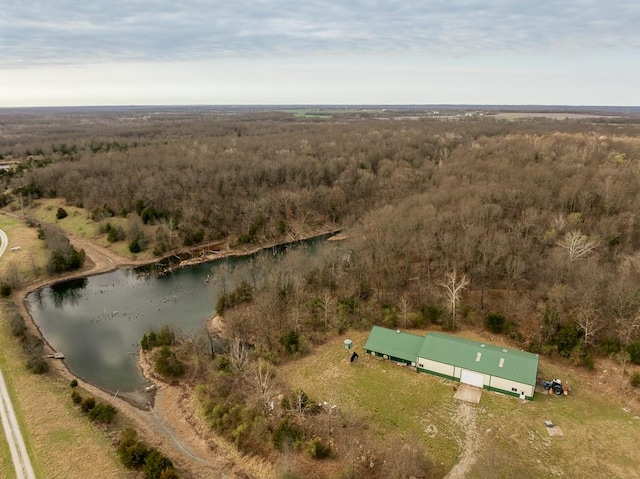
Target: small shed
(483, 365)
(393, 344)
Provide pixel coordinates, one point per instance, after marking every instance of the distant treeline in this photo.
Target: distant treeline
(541, 217)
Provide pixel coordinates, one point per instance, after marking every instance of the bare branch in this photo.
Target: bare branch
(238, 354)
(454, 287)
(578, 245)
(590, 323)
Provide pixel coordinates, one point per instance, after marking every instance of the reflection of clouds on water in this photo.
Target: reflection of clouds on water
(102, 321)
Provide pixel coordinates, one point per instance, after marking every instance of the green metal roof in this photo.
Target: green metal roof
(394, 343)
(483, 358)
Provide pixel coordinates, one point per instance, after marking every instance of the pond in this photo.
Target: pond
(97, 322)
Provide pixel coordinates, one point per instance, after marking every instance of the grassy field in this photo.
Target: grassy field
(79, 223)
(505, 437)
(27, 262)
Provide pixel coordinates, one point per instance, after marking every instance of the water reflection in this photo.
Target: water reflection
(97, 322)
(68, 291)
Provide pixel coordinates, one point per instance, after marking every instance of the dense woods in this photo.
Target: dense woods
(529, 228)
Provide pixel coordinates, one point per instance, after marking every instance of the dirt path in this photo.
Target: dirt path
(468, 440)
(19, 455)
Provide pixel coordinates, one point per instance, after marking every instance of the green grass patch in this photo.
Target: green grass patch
(6, 466)
(79, 223)
(62, 436)
(389, 399)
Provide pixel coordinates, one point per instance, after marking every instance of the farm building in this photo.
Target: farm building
(394, 345)
(488, 366)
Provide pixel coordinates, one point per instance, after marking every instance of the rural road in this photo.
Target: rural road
(19, 456)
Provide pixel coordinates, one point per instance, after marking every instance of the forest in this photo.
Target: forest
(529, 228)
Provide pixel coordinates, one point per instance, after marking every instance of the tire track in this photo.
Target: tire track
(19, 455)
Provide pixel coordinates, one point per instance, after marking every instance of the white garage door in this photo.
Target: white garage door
(474, 379)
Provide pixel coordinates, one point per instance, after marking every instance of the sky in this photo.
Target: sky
(311, 52)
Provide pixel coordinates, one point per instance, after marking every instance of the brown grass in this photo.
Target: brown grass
(30, 260)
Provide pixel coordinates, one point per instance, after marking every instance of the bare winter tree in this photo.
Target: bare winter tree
(239, 355)
(262, 375)
(454, 285)
(628, 328)
(328, 308)
(403, 305)
(578, 245)
(590, 323)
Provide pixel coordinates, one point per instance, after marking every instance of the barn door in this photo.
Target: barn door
(472, 378)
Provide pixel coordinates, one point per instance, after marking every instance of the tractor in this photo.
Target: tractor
(555, 385)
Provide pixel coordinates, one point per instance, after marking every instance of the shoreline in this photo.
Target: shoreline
(106, 261)
(169, 420)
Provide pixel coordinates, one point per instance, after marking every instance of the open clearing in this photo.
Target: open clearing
(499, 437)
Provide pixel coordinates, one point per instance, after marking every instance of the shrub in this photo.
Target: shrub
(291, 342)
(115, 233)
(432, 313)
(156, 464)
(33, 348)
(17, 325)
(75, 397)
(88, 404)
(167, 363)
(566, 339)
(73, 384)
(634, 352)
(286, 434)
(135, 245)
(103, 413)
(37, 364)
(61, 213)
(135, 454)
(65, 259)
(5, 289)
(609, 346)
(132, 452)
(242, 294)
(318, 450)
(494, 322)
(166, 337)
(635, 380)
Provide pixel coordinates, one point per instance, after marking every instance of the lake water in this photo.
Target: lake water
(97, 322)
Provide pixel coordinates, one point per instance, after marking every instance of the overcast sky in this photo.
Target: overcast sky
(133, 52)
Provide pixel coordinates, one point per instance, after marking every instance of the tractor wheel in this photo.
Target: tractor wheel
(557, 390)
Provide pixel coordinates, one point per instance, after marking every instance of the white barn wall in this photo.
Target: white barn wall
(436, 367)
(506, 385)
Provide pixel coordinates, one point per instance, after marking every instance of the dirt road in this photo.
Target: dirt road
(19, 456)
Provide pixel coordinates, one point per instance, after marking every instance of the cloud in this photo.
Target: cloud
(70, 32)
